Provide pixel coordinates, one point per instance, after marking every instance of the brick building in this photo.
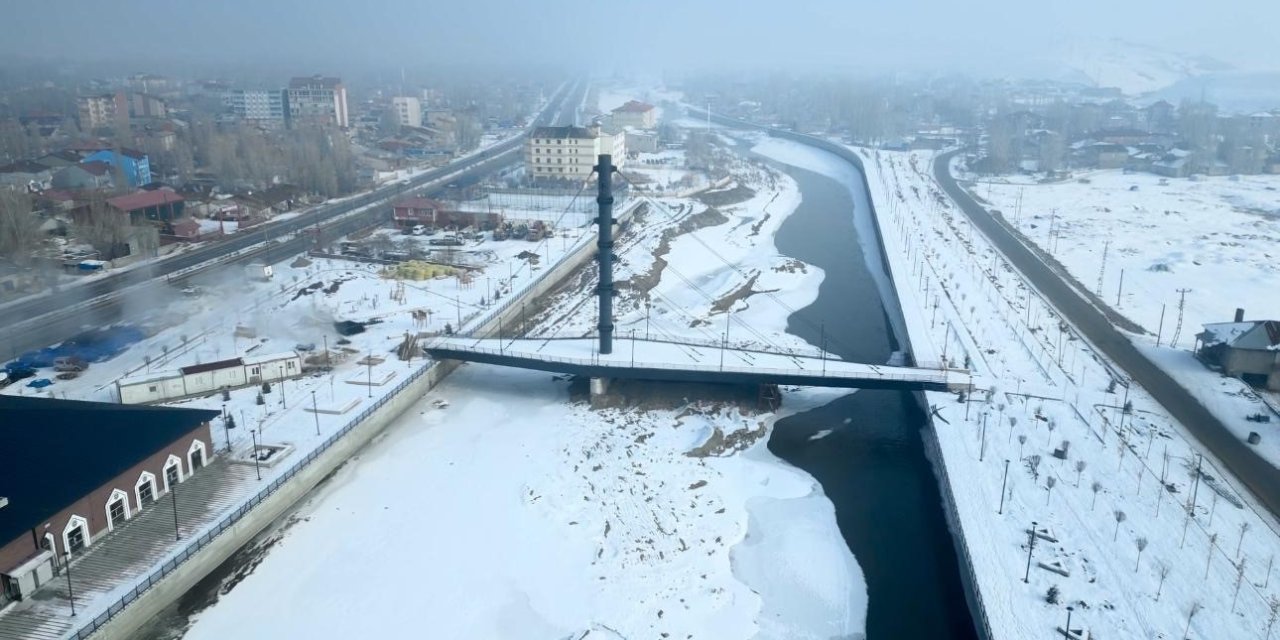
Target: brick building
(74, 471)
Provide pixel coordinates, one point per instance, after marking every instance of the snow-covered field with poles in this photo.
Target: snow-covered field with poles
(514, 512)
(1127, 533)
(1139, 240)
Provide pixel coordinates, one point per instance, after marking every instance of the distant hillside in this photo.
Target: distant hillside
(1133, 68)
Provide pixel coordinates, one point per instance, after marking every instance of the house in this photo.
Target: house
(1108, 156)
(209, 377)
(132, 163)
(161, 206)
(74, 471)
(25, 175)
(59, 159)
(642, 142)
(1175, 164)
(635, 114)
(417, 211)
(277, 199)
(1246, 350)
(86, 175)
(569, 153)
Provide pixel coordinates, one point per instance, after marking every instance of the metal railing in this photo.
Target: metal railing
(869, 371)
(196, 544)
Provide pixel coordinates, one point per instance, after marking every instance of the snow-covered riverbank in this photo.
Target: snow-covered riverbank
(513, 512)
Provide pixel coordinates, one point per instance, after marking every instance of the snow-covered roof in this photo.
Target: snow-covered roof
(147, 378)
(1256, 334)
(269, 357)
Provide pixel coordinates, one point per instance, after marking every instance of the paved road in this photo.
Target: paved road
(65, 313)
(1262, 479)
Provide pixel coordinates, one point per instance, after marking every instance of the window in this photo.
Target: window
(115, 513)
(146, 493)
(152, 388)
(172, 472)
(75, 537)
(288, 365)
(195, 456)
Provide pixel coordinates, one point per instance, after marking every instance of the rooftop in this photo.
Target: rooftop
(144, 199)
(634, 106)
(1262, 335)
(577, 133)
(419, 203)
(81, 444)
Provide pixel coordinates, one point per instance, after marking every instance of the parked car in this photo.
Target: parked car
(69, 364)
(418, 230)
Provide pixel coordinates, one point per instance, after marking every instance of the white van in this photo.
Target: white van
(418, 230)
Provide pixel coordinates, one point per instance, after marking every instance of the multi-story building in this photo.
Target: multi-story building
(318, 100)
(408, 111)
(101, 110)
(635, 114)
(569, 153)
(266, 107)
(145, 105)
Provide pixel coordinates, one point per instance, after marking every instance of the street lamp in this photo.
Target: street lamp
(1031, 546)
(253, 433)
(71, 596)
(315, 411)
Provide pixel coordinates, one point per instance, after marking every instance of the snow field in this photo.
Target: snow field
(1049, 387)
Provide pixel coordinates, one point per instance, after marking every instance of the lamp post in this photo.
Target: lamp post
(1002, 486)
(173, 493)
(315, 411)
(1031, 546)
(71, 596)
(369, 361)
(226, 426)
(1068, 629)
(254, 434)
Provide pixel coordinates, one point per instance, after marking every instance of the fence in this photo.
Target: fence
(194, 547)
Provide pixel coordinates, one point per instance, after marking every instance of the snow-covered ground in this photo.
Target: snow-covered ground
(1217, 239)
(1105, 534)
(528, 515)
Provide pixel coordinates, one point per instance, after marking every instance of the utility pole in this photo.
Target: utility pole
(254, 434)
(1003, 483)
(1160, 331)
(1102, 266)
(173, 493)
(1177, 329)
(1120, 288)
(315, 411)
(1031, 547)
(71, 596)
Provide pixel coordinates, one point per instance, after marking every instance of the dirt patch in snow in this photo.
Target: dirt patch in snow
(741, 293)
(726, 197)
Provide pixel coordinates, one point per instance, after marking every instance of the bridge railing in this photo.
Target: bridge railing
(865, 371)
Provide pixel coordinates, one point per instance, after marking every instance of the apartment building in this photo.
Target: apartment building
(569, 153)
(317, 99)
(408, 111)
(265, 107)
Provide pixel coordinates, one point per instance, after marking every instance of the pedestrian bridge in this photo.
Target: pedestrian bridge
(674, 362)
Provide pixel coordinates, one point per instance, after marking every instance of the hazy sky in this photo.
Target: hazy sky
(998, 35)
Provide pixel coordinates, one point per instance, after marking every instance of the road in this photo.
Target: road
(1262, 479)
(42, 320)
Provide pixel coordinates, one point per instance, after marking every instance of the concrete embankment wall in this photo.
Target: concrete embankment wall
(127, 621)
(911, 331)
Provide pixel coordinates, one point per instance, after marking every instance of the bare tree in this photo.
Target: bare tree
(1141, 544)
(1051, 426)
(1097, 486)
(1208, 560)
(1273, 604)
(1162, 569)
(1049, 483)
(1191, 614)
(1080, 465)
(1239, 579)
(1120, 517)
(1022, 440)
(19, 227)
(1244, 528)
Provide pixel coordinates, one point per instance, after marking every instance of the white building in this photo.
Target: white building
(207, 378)
(318, 100)
(569, 153)
(635, 114)
(264, 106)
(408, 111)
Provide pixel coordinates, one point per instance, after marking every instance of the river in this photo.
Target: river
(872, 465)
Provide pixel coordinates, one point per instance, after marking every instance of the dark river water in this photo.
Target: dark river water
(873, 465)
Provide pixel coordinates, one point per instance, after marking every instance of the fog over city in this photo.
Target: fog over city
(1001, 36)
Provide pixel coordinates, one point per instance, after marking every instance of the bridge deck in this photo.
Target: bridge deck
(655, 360)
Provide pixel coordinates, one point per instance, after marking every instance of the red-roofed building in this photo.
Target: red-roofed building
(161, 205)
(431, 213)
(635, 114)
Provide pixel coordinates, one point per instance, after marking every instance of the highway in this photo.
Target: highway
(46, 319)
(1256, 474)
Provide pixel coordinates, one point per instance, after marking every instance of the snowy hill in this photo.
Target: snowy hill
(1133, 68)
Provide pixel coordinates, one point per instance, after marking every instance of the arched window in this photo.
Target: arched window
(76, 536)
(145, 489)
(172, 472)
(195, 455)
(117, 509)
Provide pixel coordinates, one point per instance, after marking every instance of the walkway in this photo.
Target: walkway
(1092, 321)
(667, 361)
(116, 560)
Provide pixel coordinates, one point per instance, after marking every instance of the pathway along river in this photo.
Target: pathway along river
(872, 465)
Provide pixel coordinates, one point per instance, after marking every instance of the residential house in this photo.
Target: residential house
(1108, 156)
(1246, 350)
(432, 213)
(90, 175)
(1161, 117)
(160, 206)
(134, 164)
(1174, 164)
(635, 114)
(59, 159)
(25, 175)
